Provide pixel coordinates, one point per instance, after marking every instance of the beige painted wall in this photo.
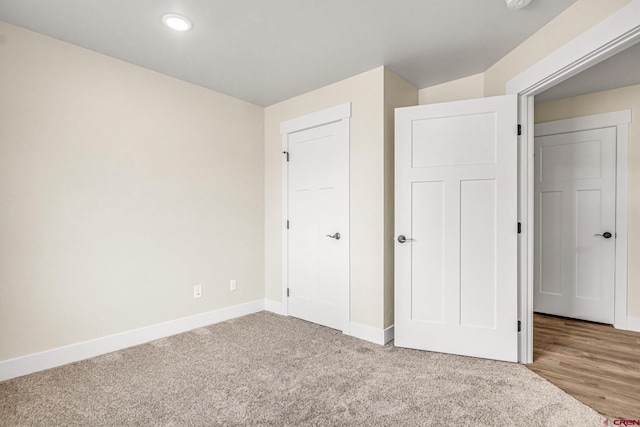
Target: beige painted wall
(397, 93)
(456, 90)
(603, 102)
(115, 196)
(365, 92)
(575, 20)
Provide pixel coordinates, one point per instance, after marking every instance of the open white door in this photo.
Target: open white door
(456, 228)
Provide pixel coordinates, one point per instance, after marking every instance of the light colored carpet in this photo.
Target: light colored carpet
(270, 370)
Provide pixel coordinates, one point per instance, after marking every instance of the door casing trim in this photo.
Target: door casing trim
(605, 39)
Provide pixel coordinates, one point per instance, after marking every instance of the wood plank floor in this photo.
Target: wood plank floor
(595, 363)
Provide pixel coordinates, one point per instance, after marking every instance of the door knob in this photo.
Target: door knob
(606, 235)
(335, 236)
(403, 239)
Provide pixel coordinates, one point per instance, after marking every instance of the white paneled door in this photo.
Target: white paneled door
(318, 215)
(456, 228)
(575, 224)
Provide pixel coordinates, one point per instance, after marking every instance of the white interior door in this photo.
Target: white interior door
(574, 210)
(318, 215)
(456, 204)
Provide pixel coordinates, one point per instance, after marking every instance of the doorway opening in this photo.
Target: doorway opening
(611, 36)
(574, 352)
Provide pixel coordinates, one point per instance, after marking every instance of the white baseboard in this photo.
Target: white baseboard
(633, 323)
(389, 334)
(275, 307)
(370, 333)
(17, 367)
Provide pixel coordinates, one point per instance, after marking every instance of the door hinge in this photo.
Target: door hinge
(519, 326)
(287, 292)
(287, 224)
(519, 227)
(287, 153)
(519, 130)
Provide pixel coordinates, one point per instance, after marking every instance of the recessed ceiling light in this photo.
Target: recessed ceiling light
(517, 4)
(176, 22)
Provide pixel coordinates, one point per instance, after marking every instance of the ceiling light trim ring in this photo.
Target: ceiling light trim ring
(177, 22)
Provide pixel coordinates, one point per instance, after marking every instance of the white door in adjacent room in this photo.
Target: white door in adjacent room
(318, 224)
(456, 228)
(575, 232)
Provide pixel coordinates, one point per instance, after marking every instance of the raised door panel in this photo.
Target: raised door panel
(456, 199)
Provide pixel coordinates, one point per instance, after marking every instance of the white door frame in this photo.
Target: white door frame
(320, 118)
(620, 120)
(609, 37)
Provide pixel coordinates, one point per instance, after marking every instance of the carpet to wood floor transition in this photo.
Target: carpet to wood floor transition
(268, 370)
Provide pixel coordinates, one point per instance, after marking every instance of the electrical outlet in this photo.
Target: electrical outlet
(197, 291)
(232, 285)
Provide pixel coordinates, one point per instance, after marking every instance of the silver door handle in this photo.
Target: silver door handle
(335, 236)
(606, 235)
(403, 239)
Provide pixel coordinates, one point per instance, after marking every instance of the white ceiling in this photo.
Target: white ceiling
(267, 51)
(618, 71)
